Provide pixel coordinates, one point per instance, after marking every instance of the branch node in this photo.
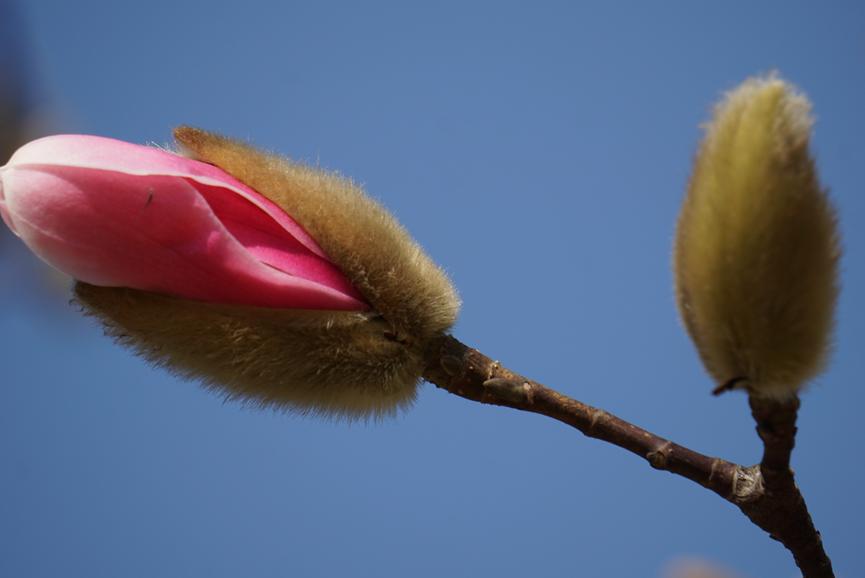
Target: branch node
(597, 416)
(658, 458)
(747, 485)
(509, 390)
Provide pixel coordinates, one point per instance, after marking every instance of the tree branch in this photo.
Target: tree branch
(766, 493)
(781, 509)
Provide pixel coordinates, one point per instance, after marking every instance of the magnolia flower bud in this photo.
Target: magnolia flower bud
(756, 247)
(280, 285)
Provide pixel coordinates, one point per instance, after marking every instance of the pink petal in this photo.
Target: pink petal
(116, 214)
(97, 152)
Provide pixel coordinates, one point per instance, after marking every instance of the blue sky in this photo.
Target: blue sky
(539, 152)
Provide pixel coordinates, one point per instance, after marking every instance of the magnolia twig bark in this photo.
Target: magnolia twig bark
(766, 493)
(781, 509)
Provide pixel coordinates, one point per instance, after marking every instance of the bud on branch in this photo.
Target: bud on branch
(757, 250)
(272, 282)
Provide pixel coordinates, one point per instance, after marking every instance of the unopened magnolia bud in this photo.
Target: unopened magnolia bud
(757, 250)
(272, 282)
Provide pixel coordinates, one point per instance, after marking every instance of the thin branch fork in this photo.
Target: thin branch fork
(766, 493)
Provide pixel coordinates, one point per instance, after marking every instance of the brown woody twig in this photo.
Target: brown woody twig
(766, 493)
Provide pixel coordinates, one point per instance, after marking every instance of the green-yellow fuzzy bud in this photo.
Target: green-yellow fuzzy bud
(757, 250)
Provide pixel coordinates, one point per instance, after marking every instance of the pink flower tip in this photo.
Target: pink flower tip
(116, 214)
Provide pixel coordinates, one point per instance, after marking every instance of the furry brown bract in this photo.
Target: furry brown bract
(374, 251)
(756, 247)
(322, 362)
(335, 363)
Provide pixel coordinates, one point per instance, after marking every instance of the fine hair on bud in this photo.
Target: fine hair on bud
(320, 362)
(757, 250)
(336, 363)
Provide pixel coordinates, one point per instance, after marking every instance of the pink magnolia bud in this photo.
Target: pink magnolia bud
(115, 214)
(271, 282)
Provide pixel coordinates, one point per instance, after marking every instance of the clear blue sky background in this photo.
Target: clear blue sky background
(539, 151)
